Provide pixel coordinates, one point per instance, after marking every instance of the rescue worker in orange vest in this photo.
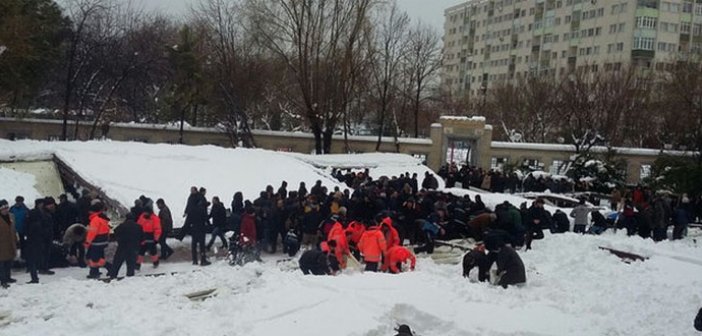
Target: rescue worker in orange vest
(340, 237)
(97, 239)
(356, 230)
(398, 255)
(391, 236)
(151, 225)
(373, 247)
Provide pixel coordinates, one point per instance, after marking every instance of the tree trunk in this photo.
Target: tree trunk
(328, 137)
(381, 128)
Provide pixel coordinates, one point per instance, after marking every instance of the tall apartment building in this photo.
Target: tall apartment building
(488, 41)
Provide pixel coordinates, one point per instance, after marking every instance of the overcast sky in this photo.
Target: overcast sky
(429, 11)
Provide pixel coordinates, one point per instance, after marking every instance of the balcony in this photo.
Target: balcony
(643, 54)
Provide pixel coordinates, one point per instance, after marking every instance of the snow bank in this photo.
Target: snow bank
(17, 183)
(573, 288)
(126, 170)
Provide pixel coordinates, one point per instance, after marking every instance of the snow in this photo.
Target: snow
(127, 170)
(573, 288)
(17, 183)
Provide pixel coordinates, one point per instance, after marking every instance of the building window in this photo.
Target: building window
(685, 27)
(643, 43)
(646, 22)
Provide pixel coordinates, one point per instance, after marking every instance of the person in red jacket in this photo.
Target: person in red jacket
(248, 225)
(97, 239)
(398, 255)
(151, 226)
(372, 246)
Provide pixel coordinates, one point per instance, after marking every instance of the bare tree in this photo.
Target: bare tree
(388, 52)
(318, 41)
(424, 62)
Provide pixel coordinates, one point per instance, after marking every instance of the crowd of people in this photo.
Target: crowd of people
(371, 225)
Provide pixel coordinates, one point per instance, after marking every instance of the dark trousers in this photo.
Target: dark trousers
(32, 255)
(198, 240)
(679, 231)
(5, 271)
(630, 225)
(217, 232)
(579, 228)
(660, 234)
(165, 249)
(273, 238)
(371, 266)
(532, 234)
(45, 255)
(148, 247)
(78, 250)
(128, 255)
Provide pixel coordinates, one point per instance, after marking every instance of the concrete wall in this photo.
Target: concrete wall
(434, 150)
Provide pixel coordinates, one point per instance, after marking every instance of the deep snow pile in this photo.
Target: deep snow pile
(17, 183)
(573, 288)
(126, 170)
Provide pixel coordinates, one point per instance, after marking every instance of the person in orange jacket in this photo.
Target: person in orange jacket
(391, 236)
(342, 251)
(355, 230)
(151, 225)
(373, 247)
(96, 239)
(396, 256)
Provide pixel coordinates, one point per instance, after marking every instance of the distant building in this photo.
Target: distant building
(489, 41)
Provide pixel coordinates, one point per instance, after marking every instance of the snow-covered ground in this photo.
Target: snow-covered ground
(574, 288)
(127, 170)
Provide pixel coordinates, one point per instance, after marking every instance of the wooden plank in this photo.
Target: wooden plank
(624, 255)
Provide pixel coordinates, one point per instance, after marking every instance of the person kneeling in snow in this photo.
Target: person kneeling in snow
(398, 255)
(317, 262)
(510, 268)
(291, 243)
(477, 257)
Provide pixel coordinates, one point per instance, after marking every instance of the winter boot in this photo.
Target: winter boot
(94, 273)
(156, 264)
(137, 267)
(204, 261)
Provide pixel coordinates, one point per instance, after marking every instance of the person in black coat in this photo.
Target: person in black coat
(197, 217)
(315, 262)
(129, 235)
(164, 214)
(698, 321)
(218, 214)
(404, 330)
(477, 257)
(47, 223)
(536, 218)
(561, 222)
(66, 215)
(34, 232)
(510, 267)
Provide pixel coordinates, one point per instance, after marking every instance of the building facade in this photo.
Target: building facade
(492, 41)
